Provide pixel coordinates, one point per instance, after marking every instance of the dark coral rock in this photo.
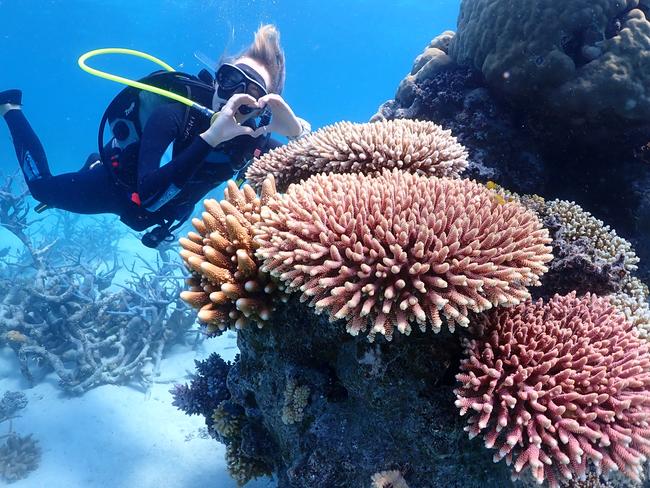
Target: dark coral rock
(457, 99)
(577, 267)
(206, 390)
(604, 168)
(372, 406)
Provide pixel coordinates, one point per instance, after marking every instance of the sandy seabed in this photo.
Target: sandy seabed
(118, 437)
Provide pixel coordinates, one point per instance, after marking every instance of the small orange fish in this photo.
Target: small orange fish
(499, 199)
(16, 336)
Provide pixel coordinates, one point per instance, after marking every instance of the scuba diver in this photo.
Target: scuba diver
(128, 178)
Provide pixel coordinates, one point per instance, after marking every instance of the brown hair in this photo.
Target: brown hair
(266, 50)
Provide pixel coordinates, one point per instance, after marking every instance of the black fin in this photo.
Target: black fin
(14, 97)
(90, 161)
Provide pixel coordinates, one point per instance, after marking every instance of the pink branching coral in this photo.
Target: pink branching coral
(415, 146)
(400, 248)
(555, 386)
(227, 285)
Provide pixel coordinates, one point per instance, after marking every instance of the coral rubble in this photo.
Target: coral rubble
(59, 310)
(19, 456)
(227, 285)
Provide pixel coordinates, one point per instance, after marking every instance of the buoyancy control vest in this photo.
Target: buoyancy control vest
(120, 133)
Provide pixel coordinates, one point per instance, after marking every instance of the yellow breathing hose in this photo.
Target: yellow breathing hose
(136, 84)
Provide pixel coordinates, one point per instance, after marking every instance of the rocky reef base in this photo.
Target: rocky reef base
(370, 407)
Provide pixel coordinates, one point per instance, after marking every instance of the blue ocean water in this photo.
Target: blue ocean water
(87, 312)
(343, 58)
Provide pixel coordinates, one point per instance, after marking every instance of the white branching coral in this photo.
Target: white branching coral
(415, 146)
(388, 479)
(632, 300)
(577, 223)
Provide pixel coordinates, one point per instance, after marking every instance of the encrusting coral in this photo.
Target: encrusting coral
(586, 57)
(414, 146)
(227, 285)
(400, 248)
(296, 398)
(557, 386)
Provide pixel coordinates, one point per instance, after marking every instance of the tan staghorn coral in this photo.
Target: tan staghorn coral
(555, 387)
(414, 146)
(400, 248)
(227, 285)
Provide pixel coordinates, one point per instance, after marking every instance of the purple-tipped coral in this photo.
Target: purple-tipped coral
(206, 390)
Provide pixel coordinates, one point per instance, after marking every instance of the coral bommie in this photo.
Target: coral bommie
(554, 386)
(227, 285)
(414, 146)
(400, 248)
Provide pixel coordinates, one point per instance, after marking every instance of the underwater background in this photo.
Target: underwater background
(343, 60)
(444, 285)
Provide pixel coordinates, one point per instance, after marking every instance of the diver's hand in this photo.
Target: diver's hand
(226, 126)
(283, 122)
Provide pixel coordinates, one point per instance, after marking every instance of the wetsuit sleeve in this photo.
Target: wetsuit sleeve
(162, 128)
(272, 144)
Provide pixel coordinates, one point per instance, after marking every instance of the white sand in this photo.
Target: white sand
(115, 437)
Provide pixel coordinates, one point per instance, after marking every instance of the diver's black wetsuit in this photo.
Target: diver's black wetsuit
(160, 193)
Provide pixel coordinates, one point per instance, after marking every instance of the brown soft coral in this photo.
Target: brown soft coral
(401, 248)
(415, 146)
(227, 285)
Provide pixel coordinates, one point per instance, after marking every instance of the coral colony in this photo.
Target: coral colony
(559, 387)
(390, 276)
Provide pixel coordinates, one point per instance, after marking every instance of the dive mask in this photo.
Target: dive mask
(239, 78)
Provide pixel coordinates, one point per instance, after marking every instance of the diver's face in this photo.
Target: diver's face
(244, 75)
